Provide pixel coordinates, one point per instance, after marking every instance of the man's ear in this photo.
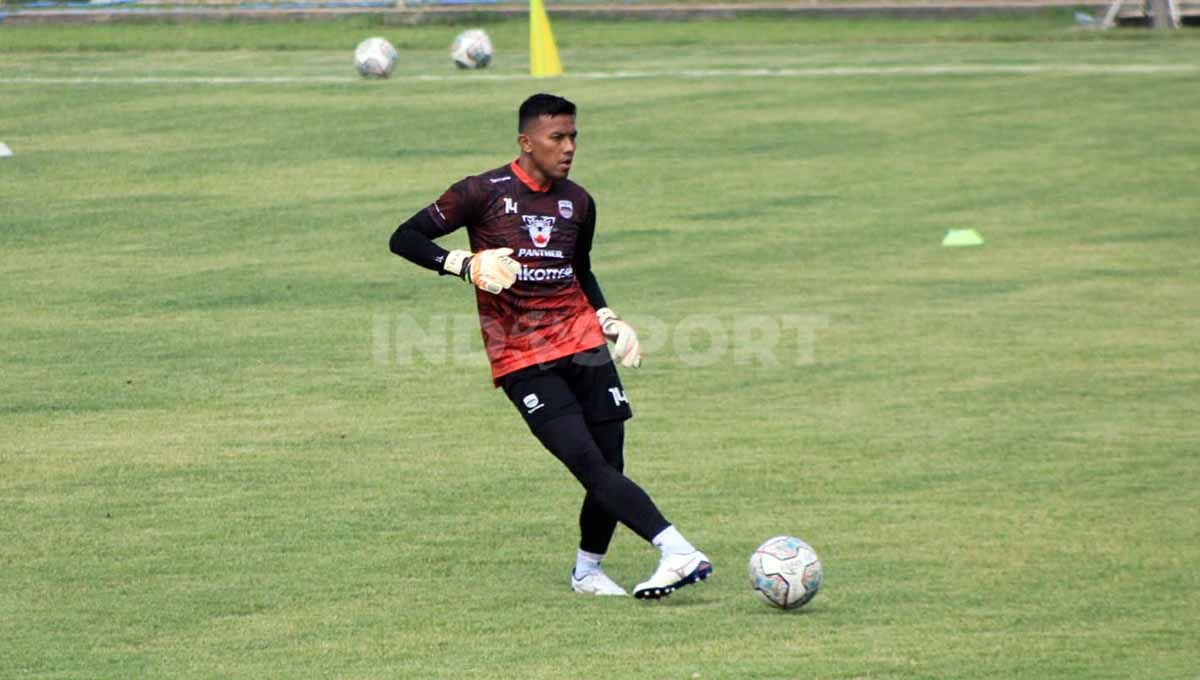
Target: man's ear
(524, 143)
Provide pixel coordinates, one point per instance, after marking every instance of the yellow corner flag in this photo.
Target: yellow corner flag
(543, 55)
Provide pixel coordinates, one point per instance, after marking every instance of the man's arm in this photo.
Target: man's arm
(625, 341)
(490, 270)
(583, 260)
(413, 241)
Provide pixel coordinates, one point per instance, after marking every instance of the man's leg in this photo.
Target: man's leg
(596, 526)
(597, 386)
(553, 400)
(542, 395)
(681, 562)
(614, 494)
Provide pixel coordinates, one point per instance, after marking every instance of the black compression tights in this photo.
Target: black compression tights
(594, 455)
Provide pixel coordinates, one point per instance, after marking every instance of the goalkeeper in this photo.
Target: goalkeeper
(544, 323)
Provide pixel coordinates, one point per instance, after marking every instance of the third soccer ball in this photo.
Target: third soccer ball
(785, 572)
(375, 58)
(471, 49)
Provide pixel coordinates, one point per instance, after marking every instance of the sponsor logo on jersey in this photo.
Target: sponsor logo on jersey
(539, 252)
(546, 273)
(510, 206)
(566, 209)
(539, 228)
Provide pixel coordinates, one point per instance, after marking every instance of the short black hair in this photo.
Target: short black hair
(542, 104)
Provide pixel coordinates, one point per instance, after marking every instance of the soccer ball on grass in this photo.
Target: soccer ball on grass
(785, 572)
(472, 49)
(375, 58)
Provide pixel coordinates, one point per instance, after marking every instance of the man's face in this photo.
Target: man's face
(550, 142)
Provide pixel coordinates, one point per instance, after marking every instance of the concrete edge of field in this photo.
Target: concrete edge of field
(455, 13)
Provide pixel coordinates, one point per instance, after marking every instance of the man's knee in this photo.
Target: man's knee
(587, 464)
(570, 441)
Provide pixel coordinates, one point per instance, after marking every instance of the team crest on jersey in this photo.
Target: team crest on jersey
(566, 209)
(539, 228)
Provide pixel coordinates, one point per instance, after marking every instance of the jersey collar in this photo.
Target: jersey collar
(527, 180)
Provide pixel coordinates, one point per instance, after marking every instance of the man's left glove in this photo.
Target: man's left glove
(625, 340)
(490, 270)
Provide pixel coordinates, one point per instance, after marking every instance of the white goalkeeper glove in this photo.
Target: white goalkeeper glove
(490, 270)
(625, 347)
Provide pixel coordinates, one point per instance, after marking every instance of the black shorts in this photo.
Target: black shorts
(584, 383)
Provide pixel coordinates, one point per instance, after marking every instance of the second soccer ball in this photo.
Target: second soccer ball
(375, 58)
(472, 49)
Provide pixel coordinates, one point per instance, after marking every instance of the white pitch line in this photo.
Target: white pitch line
(816, 72)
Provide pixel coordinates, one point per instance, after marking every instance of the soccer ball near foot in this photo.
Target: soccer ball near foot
(471, 49)
(375, 58)
(785, 572)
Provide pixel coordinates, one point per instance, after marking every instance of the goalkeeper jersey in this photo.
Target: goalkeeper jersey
(545, 315)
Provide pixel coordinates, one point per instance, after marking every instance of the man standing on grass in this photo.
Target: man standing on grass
(544, 323)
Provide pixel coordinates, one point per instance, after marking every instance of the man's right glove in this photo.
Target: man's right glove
(625, 347)
(490, 270)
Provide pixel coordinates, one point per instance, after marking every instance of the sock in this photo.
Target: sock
(670, 541)
(586, 562)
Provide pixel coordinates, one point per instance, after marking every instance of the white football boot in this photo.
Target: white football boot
(596, 583)
(674, 572)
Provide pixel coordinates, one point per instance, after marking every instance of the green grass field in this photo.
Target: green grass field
(225, 455)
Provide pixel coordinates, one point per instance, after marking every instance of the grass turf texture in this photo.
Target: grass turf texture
(214, 465)
(511, 36)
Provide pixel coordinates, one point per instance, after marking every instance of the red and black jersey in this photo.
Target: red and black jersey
(545, 315)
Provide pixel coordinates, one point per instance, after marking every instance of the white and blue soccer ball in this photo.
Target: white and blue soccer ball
(785, 572)
(375, 58)
(471, 49)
